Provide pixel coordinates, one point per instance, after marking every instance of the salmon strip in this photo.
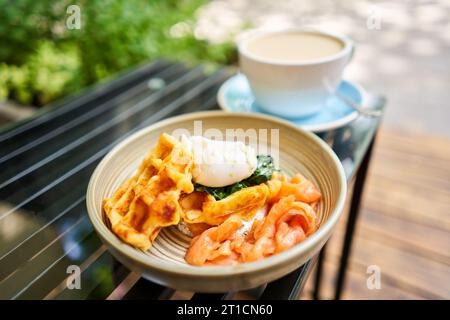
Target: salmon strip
(288, 223)
(290, 220)
(286, 237)
(303, 189)
(209, 245)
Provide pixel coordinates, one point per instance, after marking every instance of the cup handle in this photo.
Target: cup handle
(352, 51)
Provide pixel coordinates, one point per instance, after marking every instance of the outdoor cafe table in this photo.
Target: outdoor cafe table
(46, 162)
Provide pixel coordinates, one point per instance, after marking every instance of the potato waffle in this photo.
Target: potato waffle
(148, 201)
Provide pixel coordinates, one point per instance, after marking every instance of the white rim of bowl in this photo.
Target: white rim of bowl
(311, 127)
(346, 41)
(218, 271)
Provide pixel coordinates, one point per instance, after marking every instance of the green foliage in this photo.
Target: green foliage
(41, 60)
(24, 23)
(45, 75)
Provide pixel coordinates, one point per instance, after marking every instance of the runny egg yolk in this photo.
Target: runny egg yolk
(220, 163)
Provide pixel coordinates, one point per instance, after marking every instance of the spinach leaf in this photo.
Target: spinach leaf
(218, 193)
(264, 170)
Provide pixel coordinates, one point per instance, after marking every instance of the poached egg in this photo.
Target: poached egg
(220, 163)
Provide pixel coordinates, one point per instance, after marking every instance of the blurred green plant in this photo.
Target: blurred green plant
(42, 60)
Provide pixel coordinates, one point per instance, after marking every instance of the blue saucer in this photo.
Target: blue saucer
(235, 96)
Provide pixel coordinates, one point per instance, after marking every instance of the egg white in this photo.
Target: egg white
(220, 163)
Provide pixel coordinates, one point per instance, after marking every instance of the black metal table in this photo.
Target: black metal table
(46, 162)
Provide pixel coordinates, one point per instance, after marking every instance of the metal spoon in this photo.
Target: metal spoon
(376, 104)
(374, 107)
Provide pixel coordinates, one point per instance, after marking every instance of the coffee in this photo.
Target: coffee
(292, 72)
(294, 46)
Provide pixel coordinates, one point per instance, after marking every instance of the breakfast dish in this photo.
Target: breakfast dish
(236, 205)
(293, 150)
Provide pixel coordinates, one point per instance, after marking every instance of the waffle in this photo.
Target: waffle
(149, 200)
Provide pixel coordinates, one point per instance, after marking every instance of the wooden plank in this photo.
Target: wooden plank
(411, 143)
(409, 214)
(404, 225)
(404, 269)
(417, 236)
(355, 288)
(413, 190)
(395, 231)
(404, 173)
(420, 159)
(394, 240)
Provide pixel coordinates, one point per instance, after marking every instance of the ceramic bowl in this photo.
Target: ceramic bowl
(298, 151)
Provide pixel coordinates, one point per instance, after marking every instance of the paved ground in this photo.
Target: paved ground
(403, 48)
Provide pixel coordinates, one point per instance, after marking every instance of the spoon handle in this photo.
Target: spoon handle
(373, 109)
(376, 109)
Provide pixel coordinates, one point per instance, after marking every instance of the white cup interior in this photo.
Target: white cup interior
(347, 46)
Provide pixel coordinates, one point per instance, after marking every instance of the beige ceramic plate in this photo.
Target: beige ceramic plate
(299, 151)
